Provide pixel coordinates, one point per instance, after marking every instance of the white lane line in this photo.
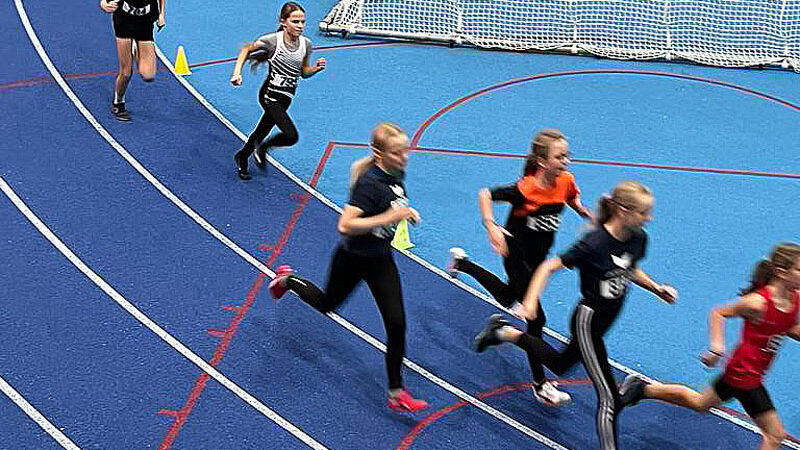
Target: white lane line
(343, 322)
(124, 153)
(230, 244)
(552, 333)
(151, 325)
(37, 417)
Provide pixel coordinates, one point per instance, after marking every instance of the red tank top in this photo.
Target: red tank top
(759, 344)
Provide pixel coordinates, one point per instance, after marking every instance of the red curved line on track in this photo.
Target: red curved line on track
(438, 414)
(412, 435)
(418, 134)
(181, 415)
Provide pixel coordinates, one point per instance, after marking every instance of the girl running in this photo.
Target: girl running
(133, 27)
(377, 203)
(607, 259)
(769, 308)
(537, 202)
(288, 52)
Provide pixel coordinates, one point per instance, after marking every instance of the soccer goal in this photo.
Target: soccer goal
(728, 33)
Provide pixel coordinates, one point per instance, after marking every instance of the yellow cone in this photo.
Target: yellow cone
(401, 239)
(181, 66)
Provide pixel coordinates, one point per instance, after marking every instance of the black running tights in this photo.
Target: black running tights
(380, 273)
(586, 345)
(275, 113)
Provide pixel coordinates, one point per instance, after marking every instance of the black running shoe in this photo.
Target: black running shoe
(260, 157)
(632, 390)
(488, 336)
(241, 168)
(118, 109)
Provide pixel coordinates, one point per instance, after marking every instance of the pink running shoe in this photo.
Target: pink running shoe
(403, 401)
(277, 287)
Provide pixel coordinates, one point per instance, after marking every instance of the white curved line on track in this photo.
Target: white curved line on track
(34, 414)
(249, 258)
(552, 333)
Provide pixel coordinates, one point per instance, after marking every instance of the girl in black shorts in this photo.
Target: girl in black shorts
(133, 27)
(377, 203)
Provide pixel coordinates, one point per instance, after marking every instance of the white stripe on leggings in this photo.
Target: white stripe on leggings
(605, 398)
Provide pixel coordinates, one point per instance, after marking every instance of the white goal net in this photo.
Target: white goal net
(729, 33)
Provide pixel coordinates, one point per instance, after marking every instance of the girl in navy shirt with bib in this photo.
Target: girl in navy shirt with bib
(607, 260)
(377, 204)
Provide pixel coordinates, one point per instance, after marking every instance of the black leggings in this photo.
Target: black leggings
(520, 271)
(380, 273)
(275, 113)
(588, 327)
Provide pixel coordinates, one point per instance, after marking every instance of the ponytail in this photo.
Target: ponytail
(761, 275)
(380, 137)
(626, 195)
(605, 209)
(784, 256)
(360, 167)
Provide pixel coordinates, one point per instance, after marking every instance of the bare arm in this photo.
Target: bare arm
(749, 307)
(666, 293)
(161, 14)
(580, 208)
(307, 71)
(236, 78)
(794, 333)
(538, 282)
(495, 232)
(109, 6)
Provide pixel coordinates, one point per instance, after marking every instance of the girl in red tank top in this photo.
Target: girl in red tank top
(770, 310)
(760, 341)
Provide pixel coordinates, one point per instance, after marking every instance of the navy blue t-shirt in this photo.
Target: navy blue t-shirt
(375, 192)
(606, 266)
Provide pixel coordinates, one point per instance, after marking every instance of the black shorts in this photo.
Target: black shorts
(755, 401)
(137, 29)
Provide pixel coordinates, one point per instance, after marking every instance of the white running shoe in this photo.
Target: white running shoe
(456, 254)
(549, 395)
(632, 390)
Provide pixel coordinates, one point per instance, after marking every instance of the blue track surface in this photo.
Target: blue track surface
(106, 381)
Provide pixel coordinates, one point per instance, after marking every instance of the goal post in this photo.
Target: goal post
(727, 33)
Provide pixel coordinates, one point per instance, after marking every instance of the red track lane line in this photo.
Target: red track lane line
(49, 80)
(438, 414)
(181, 415)
(598, 162)
(38, 81)
(748, 173)
(323, 160)
(322, 47)
(418, 134)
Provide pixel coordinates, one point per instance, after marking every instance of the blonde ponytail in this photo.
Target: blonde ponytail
(380, 137)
